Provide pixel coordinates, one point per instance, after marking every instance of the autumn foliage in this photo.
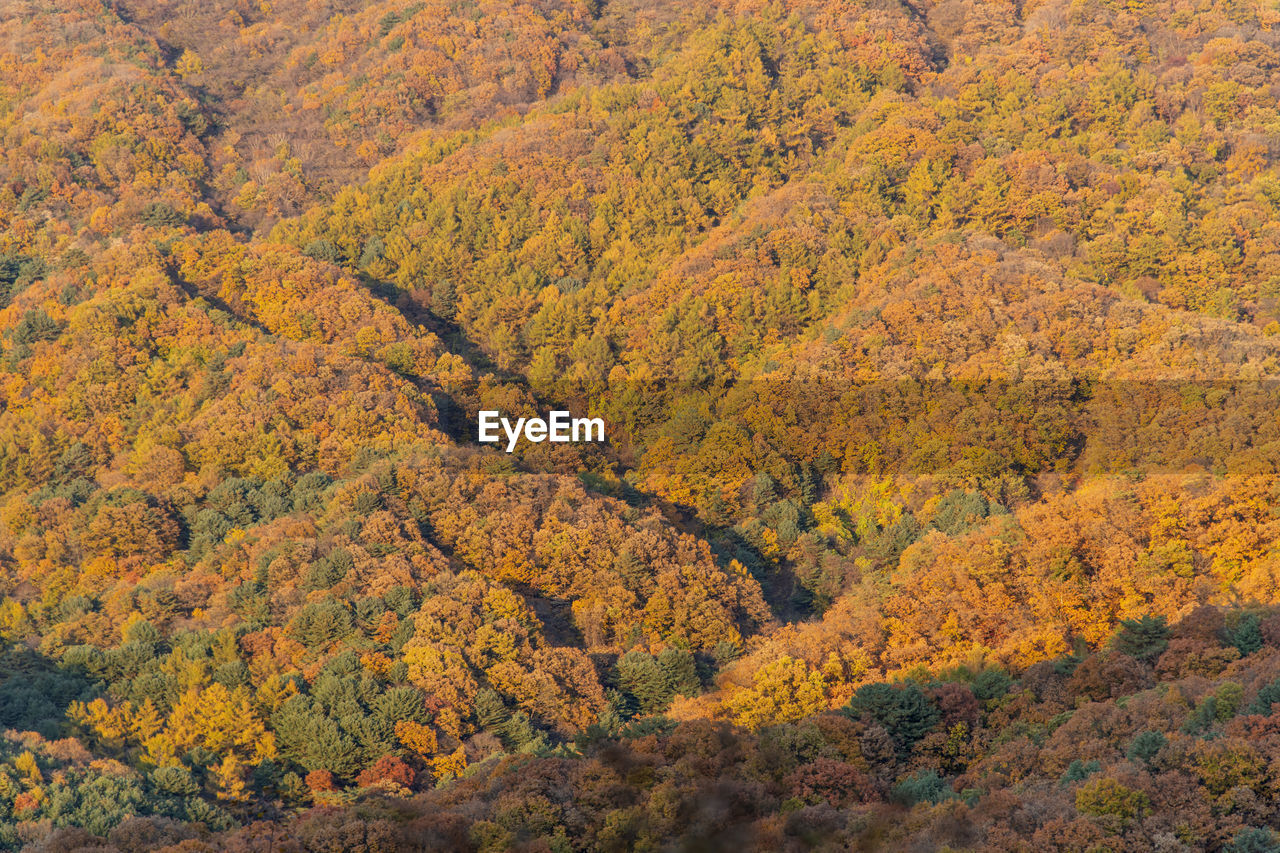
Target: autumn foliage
(938, 347)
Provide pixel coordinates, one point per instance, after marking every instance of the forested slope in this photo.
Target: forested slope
(938, 345)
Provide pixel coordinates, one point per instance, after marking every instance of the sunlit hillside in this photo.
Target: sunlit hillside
(938, 346)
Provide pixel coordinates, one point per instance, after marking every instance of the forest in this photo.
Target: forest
(938, 344)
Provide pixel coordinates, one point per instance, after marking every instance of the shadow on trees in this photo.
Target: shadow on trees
(35, 691)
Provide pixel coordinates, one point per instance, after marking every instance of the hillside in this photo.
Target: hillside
(939, 348)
